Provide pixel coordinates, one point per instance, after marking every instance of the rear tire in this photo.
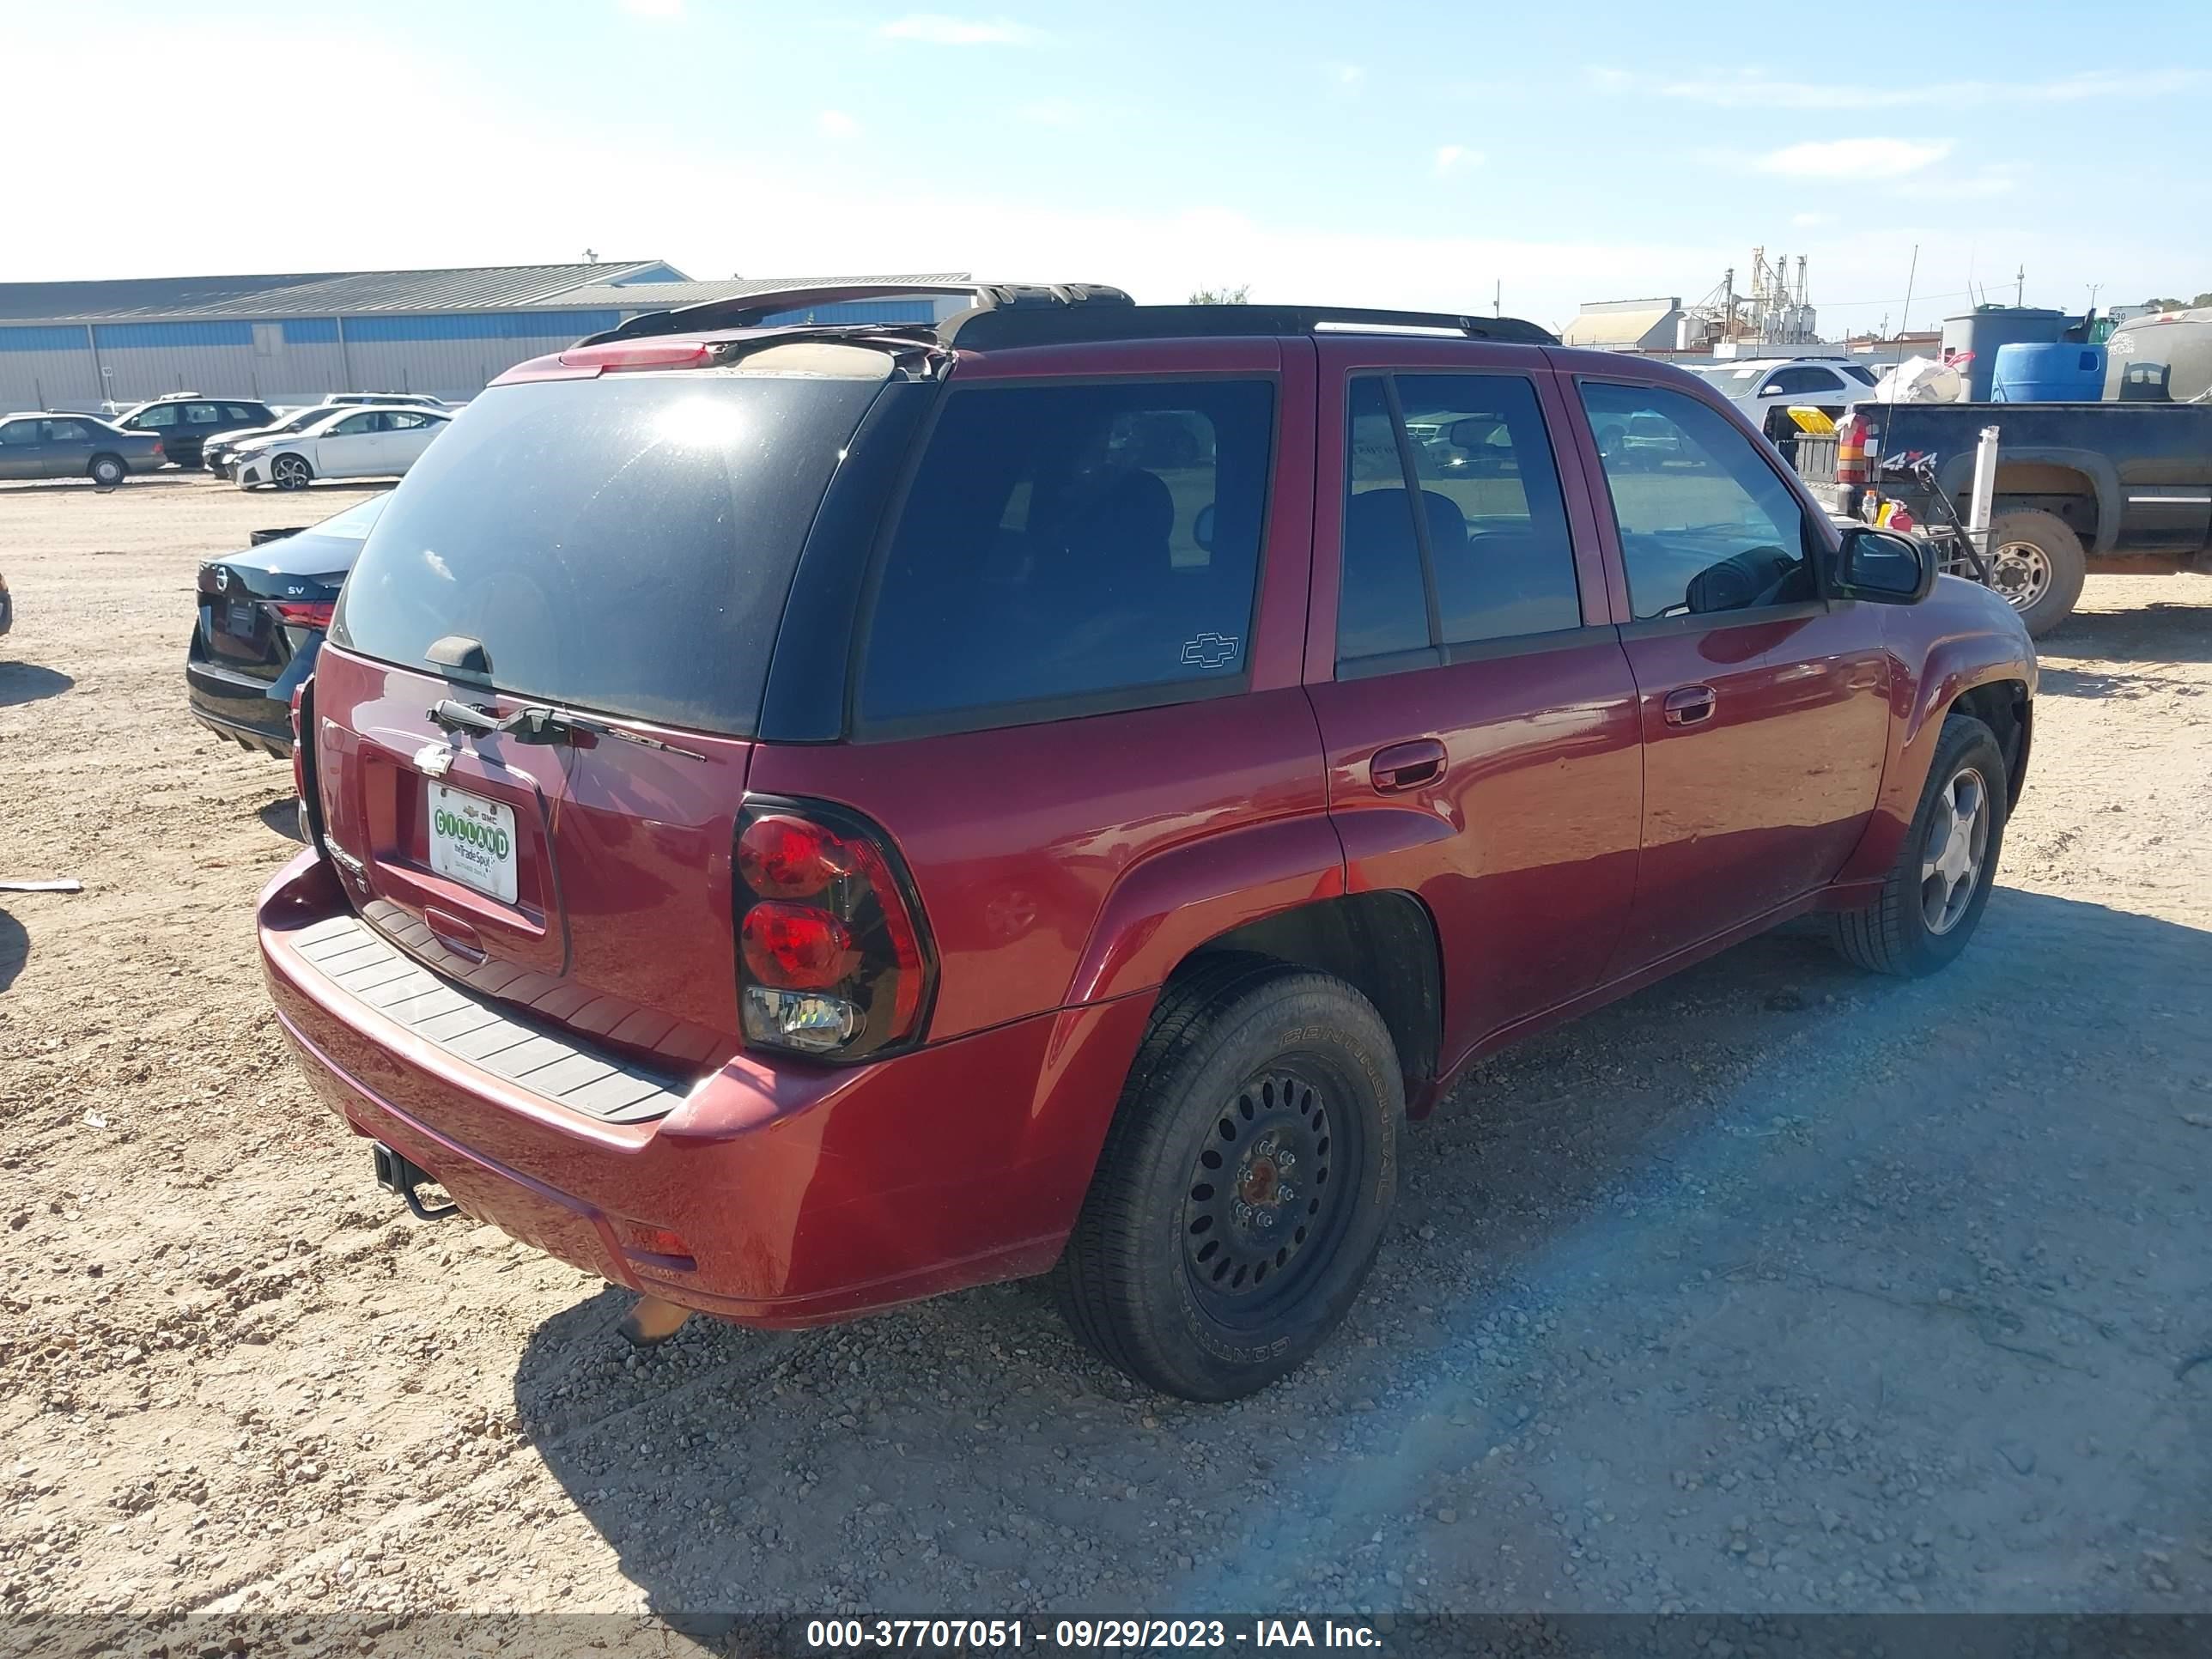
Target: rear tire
(290, 472)
(107, 470)
(2036, 565)
(1245, 1183)
(1928, 911)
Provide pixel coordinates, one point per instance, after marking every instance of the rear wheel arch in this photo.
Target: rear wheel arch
(1384, 945)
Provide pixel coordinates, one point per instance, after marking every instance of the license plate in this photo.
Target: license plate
(238, 617)
(472, 840)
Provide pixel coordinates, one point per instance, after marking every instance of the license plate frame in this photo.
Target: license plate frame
(238, 619)
(471, 840)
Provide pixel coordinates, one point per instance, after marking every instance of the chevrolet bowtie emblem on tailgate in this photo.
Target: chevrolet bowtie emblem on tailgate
(1210, 650)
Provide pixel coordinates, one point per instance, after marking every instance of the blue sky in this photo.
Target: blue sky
(1396, 153)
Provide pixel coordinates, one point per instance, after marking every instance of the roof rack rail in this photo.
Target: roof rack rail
(749, 310)
(1085, 324)
(1069, 313)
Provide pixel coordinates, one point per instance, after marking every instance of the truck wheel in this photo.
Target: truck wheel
(1933, 898)
(2036, 563)
(1245, 1183)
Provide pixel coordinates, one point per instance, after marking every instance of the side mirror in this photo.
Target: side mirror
(1201, 527)
(1771, 389)
(1883, 566)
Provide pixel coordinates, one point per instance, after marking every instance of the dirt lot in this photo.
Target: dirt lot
(1772, 1287)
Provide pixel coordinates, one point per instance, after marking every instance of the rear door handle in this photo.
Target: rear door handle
(1693, 705)
(1407, 765)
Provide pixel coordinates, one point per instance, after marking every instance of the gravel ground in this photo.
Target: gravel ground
(1773, 1287)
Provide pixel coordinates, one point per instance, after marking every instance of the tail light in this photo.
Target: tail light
(302, 613)
(1853, 439)
(833, 959)
(300, 750)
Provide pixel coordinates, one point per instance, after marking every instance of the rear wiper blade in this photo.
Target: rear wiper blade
(537, 722)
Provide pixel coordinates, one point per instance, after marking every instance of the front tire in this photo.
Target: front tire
(2037, 567)
(290, 472)
(1245, 1183)
(108, 472)
(1933, 897)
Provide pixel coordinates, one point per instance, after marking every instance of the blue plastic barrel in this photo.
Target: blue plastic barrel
(2048, 374)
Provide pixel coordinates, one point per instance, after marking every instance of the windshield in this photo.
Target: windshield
(1727, 376)
(622, 545)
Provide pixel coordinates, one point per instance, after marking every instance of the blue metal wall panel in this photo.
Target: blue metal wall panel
(860, 310)
(159, 336)
(311, 330)
(479, 325)
(67, 338)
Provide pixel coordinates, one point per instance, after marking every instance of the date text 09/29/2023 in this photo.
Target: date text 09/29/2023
(833, 1635)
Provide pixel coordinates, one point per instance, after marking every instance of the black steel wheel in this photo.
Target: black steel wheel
(1260, 1211)
(1245, 1183)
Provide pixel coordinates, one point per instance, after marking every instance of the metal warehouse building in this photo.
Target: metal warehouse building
(291, 339)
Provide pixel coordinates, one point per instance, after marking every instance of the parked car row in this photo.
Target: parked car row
(803, 820)
(217, 433)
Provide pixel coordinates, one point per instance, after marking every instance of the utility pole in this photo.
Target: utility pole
(1906, 316)
(2019, 284)
(1497, 299)
(2093, 286)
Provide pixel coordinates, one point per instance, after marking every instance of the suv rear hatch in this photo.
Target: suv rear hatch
(600, 561)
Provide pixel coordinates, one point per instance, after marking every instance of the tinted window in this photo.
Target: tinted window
(404, 421)
(1800, 382)
(352, 426)
(1863, 375)
(1382, 604)
(1502, 564)
(66, 432)
(1705, 524)
(624, 543)
(160, 415)
(202, 413)
(20, 432)
(1504, 561)
(1083, 542)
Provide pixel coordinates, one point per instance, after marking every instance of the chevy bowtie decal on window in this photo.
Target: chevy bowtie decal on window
(1211, 650)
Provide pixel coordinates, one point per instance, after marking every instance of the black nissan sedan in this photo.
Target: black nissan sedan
(262, 617)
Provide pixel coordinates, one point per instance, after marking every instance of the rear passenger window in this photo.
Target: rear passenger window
(1474, 451)
(1065, 548)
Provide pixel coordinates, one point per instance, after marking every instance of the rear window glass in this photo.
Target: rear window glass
(623, 544)
(1065, 548)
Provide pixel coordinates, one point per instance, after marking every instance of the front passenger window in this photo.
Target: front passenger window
(1705, 524)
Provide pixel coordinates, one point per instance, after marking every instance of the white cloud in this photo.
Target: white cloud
(1812, 220)
(654, 8)
(936, 29)
(1853, 158)
(1457, 158)
(836, 123)
(1755, 91)
(1348, 77)
(1606, 78)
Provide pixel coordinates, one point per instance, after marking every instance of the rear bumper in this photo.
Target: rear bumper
(255, 713)
(803, 1195)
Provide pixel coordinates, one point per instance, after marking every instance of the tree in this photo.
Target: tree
(1241, 294)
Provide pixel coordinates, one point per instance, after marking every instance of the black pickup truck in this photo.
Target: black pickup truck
(2110, 487)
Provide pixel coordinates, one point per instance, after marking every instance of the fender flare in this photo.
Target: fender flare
(1954, 666)
(1166, 906)
(1956, 479)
